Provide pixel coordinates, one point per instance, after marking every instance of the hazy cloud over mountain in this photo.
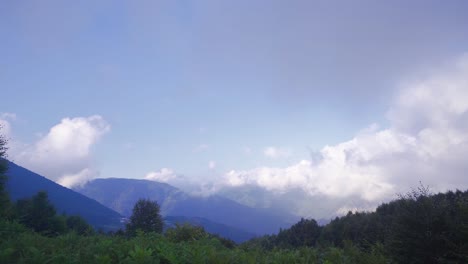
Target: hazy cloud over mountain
(427, 141)
(164, 175)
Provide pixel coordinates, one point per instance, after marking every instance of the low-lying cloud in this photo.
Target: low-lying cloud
(427, 141)
(164, 175)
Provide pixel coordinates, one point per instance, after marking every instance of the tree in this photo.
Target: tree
(185, 232)
(302, 234)
(3, 149)
(145, 217)
(5, 208)
(39, 214)
(79, 225)
(430, 228)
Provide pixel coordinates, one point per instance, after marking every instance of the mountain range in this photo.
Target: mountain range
(105, 203)
(121, 195)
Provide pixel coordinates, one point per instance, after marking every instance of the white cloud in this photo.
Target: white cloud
(275, 153)
(333, 177)
(64, 154)
(72, 138)
(427, 141)
(5, 119)
(80, 178)
(164, 175)
(190, 184)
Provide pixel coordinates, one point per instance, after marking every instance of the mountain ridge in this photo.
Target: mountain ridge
(173, 201)
(23, 183)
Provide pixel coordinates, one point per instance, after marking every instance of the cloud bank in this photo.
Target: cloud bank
(164, 175)
(427, 141)
(64, 154)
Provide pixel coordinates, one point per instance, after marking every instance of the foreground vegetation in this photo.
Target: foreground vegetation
(34, 233)
(19, 245)
(418, 227)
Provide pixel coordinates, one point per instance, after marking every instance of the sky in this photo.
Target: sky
(337, 98)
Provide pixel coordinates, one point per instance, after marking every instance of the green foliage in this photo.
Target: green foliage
(77, 224)
(430, 228)
(3, 150)
(31, 247)
(185, 232)
(39, 214)
(305, 233)
(141, 256)
(146, 217)
(416, 228)
(9, 229)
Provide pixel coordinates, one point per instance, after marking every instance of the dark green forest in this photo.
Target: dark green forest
(417, 227)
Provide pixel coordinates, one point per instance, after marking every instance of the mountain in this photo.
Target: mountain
(121, 195)
(23, 183)
(233, 233)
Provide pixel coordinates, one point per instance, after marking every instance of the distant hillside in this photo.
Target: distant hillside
(233, 233)
(23, 183)
(121, 195)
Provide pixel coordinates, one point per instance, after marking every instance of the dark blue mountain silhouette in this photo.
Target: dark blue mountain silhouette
(23, 183)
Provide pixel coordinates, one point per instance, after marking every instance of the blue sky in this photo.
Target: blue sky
(204, 88)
